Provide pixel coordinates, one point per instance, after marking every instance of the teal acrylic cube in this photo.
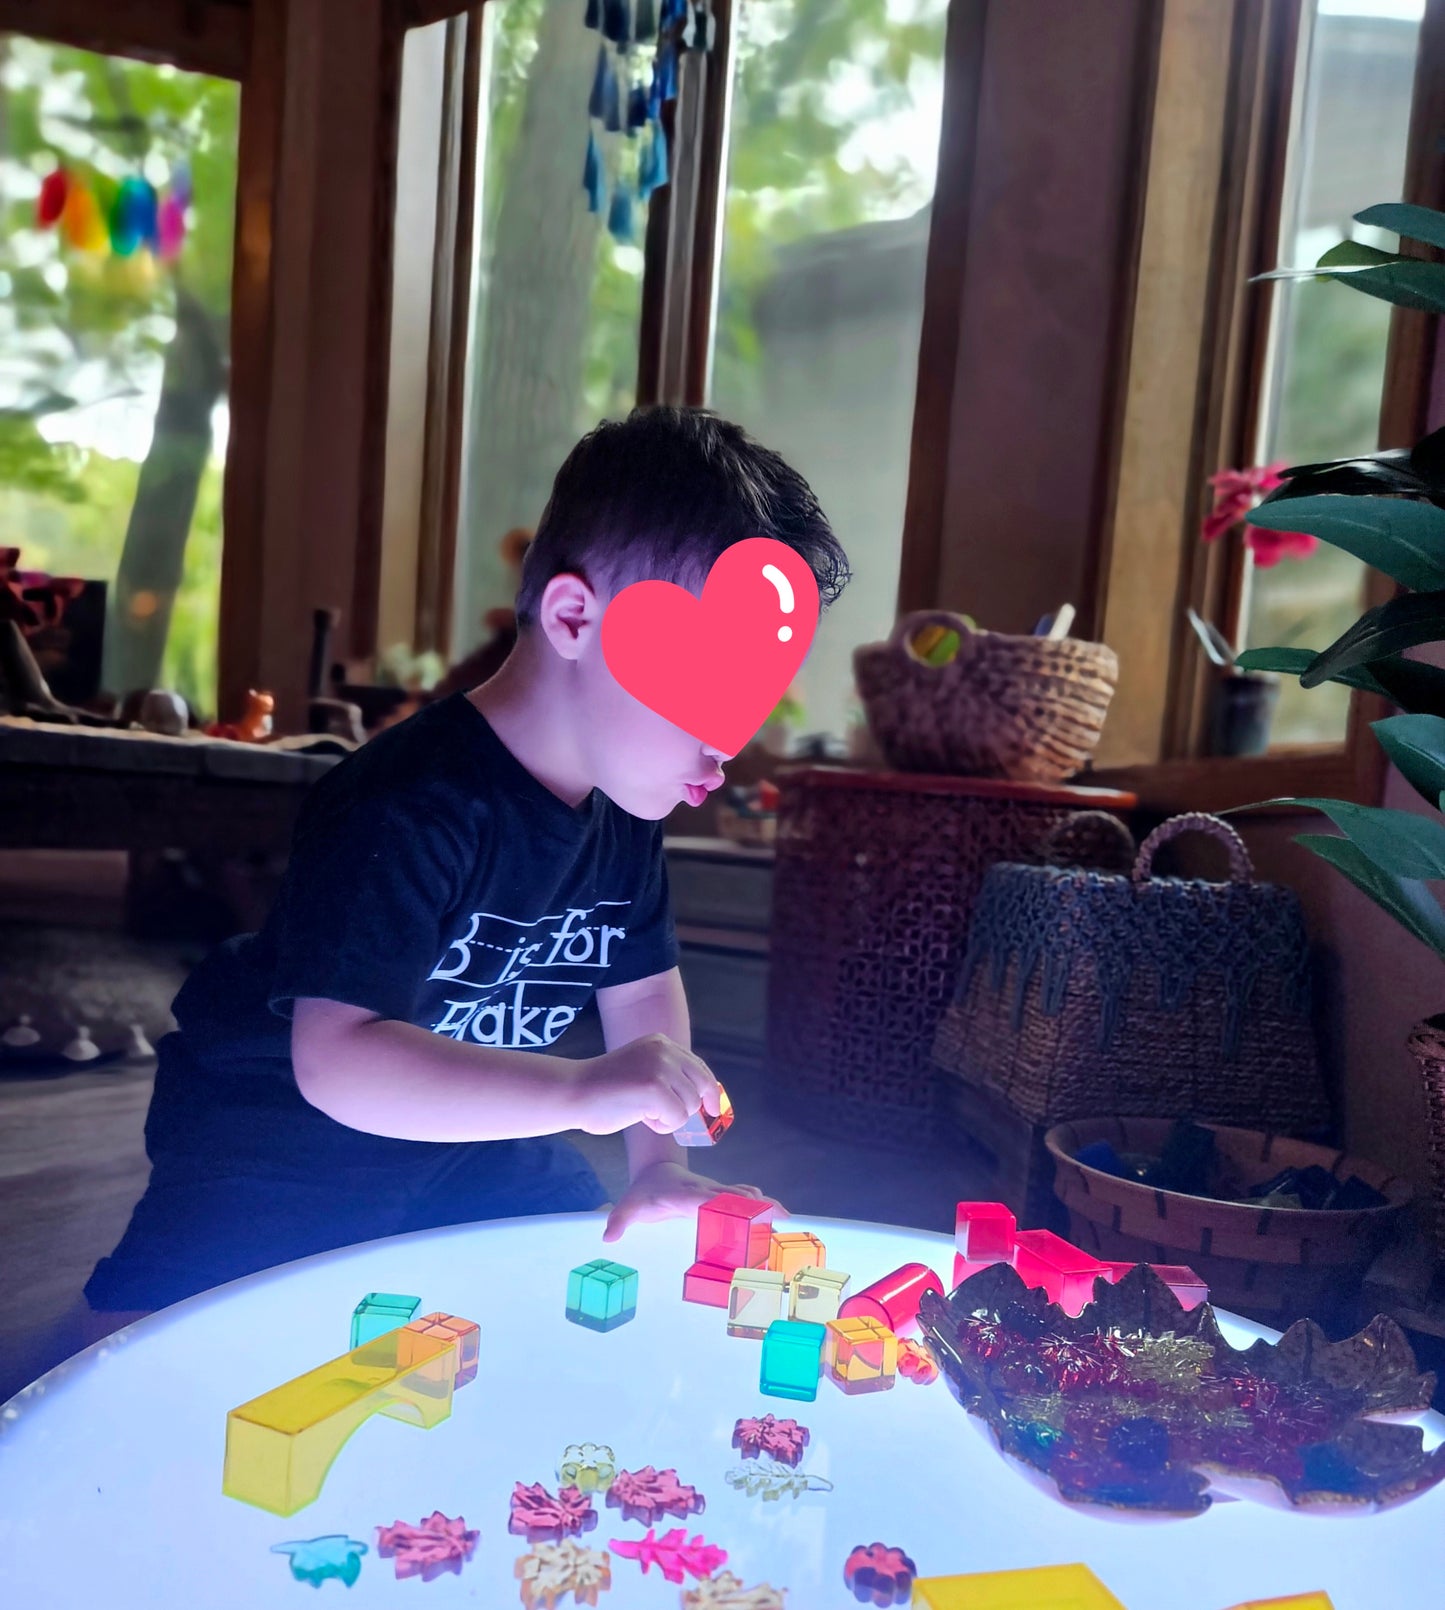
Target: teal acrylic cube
(792, 1359)
(601, 1295)
(379, 1312)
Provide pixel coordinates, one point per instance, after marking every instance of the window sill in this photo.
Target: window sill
(1214, 785)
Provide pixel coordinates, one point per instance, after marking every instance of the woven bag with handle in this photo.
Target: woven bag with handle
(1085, 993)
(1029, 709)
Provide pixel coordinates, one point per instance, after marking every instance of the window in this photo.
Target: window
(114, 337)
(831, 162)
(557, 301)
(1326, 365)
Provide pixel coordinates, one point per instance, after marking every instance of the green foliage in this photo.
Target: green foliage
(80, 332)
(1391, 856)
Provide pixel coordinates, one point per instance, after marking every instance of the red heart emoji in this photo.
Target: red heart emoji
(716, 666)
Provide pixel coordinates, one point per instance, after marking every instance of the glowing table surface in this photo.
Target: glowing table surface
(110, 1467)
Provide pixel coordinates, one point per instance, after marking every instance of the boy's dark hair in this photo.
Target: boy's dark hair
(660, 495)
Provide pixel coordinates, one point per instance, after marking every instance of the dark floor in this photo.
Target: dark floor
(72, 1161)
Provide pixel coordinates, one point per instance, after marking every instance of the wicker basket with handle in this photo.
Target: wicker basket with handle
(1029, 709)
(1273, 1263)
(1084, 992)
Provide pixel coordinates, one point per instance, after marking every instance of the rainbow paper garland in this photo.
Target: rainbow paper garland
(128, 220)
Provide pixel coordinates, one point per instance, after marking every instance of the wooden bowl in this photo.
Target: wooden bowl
(1273, 1264)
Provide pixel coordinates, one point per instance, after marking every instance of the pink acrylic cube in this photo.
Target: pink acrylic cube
(734, 1232)
(1067, 1275)
(984, 1232)
(708, 1284)
(1181, 1280)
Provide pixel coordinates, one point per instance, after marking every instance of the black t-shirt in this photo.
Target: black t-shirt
(432, 880)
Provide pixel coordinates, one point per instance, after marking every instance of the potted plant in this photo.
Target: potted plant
(1387, 509)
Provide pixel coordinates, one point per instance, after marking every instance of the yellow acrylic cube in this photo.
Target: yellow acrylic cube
(861, 1355)
(816, 1294)
(793, 1250)
(1293, 1601)
(1048, 1587)
(280, 1445)
(755, 1299)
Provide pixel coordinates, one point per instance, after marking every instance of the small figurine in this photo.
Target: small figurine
(82, 1048)
(139, 1048)
(255, 726)
(21, 1034)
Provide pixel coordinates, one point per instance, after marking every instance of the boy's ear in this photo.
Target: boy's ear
(568, 614)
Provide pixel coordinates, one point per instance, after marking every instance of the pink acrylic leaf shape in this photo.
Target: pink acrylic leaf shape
(783, 1440)
(541, 1518)
(647, 1495)
(437, 1545)
(674, 1554)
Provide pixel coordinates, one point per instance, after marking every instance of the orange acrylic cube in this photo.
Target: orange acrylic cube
(861, 1355)
(792, 1250)
(466, 1333)
(704, 1130)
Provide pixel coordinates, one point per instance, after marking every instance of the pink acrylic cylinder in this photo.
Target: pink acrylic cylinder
(893, 1301)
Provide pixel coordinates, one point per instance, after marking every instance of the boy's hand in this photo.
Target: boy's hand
(669, 1191)
(652, 1080)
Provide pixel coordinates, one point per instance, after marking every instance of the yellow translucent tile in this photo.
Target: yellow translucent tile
(861, 1355)
(280, 1445)
(816, 1295)
(792, 1250)
(1293, 1601)
(755, 1299)
(1048, 1587)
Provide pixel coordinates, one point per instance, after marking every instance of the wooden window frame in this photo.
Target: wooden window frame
(1253, 174)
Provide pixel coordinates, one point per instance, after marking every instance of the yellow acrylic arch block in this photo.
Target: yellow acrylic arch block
(1048, 1587)
(1293, 1601)
(280, 1445)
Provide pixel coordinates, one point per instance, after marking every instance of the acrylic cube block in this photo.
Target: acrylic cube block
(708, 1283)
(734, 1232)
(755, 1300)
(601, 1295)
(792, 1360)
(1182, 1281)
(466, 1333)
(1045, 1587)
(893, 1301)
(590, 1467)
(1293, 1601)
(379, 1312)
(702, 1130)
(792, 1250)
(815, 1294)
(1067, 1275)
(861, 1355)
(983, 1232)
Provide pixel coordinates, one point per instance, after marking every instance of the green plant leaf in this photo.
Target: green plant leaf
(1386, 630)
(1414, 685)
(1296, 661)
(1402, 843)
(1402, 537)
(1401, 218)
(1404, 281)
(1408, 901)
(1416, 744)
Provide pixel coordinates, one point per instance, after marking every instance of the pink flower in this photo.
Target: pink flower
(1236, 492)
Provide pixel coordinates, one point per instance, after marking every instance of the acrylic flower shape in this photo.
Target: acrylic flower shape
(437, 1545)
(552, 1570)
(647, 1495)
(674, 1554)
(1236, 492)
(726, 1592)
(879, 1574)
(541, 1518)
(783, 1440)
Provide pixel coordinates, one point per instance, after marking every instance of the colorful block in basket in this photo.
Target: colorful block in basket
(1183, 1282)
(984, 1232)
(1042, 1258)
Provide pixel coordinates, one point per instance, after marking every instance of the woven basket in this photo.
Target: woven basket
(1085, 992)
(1025, 708)
(1274, 1264)
(1427, 1045)
(874, 879)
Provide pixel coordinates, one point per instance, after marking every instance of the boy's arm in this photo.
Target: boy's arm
(391, 1078)
(656, 1005)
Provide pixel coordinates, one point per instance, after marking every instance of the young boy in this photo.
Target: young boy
(377, 1058)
